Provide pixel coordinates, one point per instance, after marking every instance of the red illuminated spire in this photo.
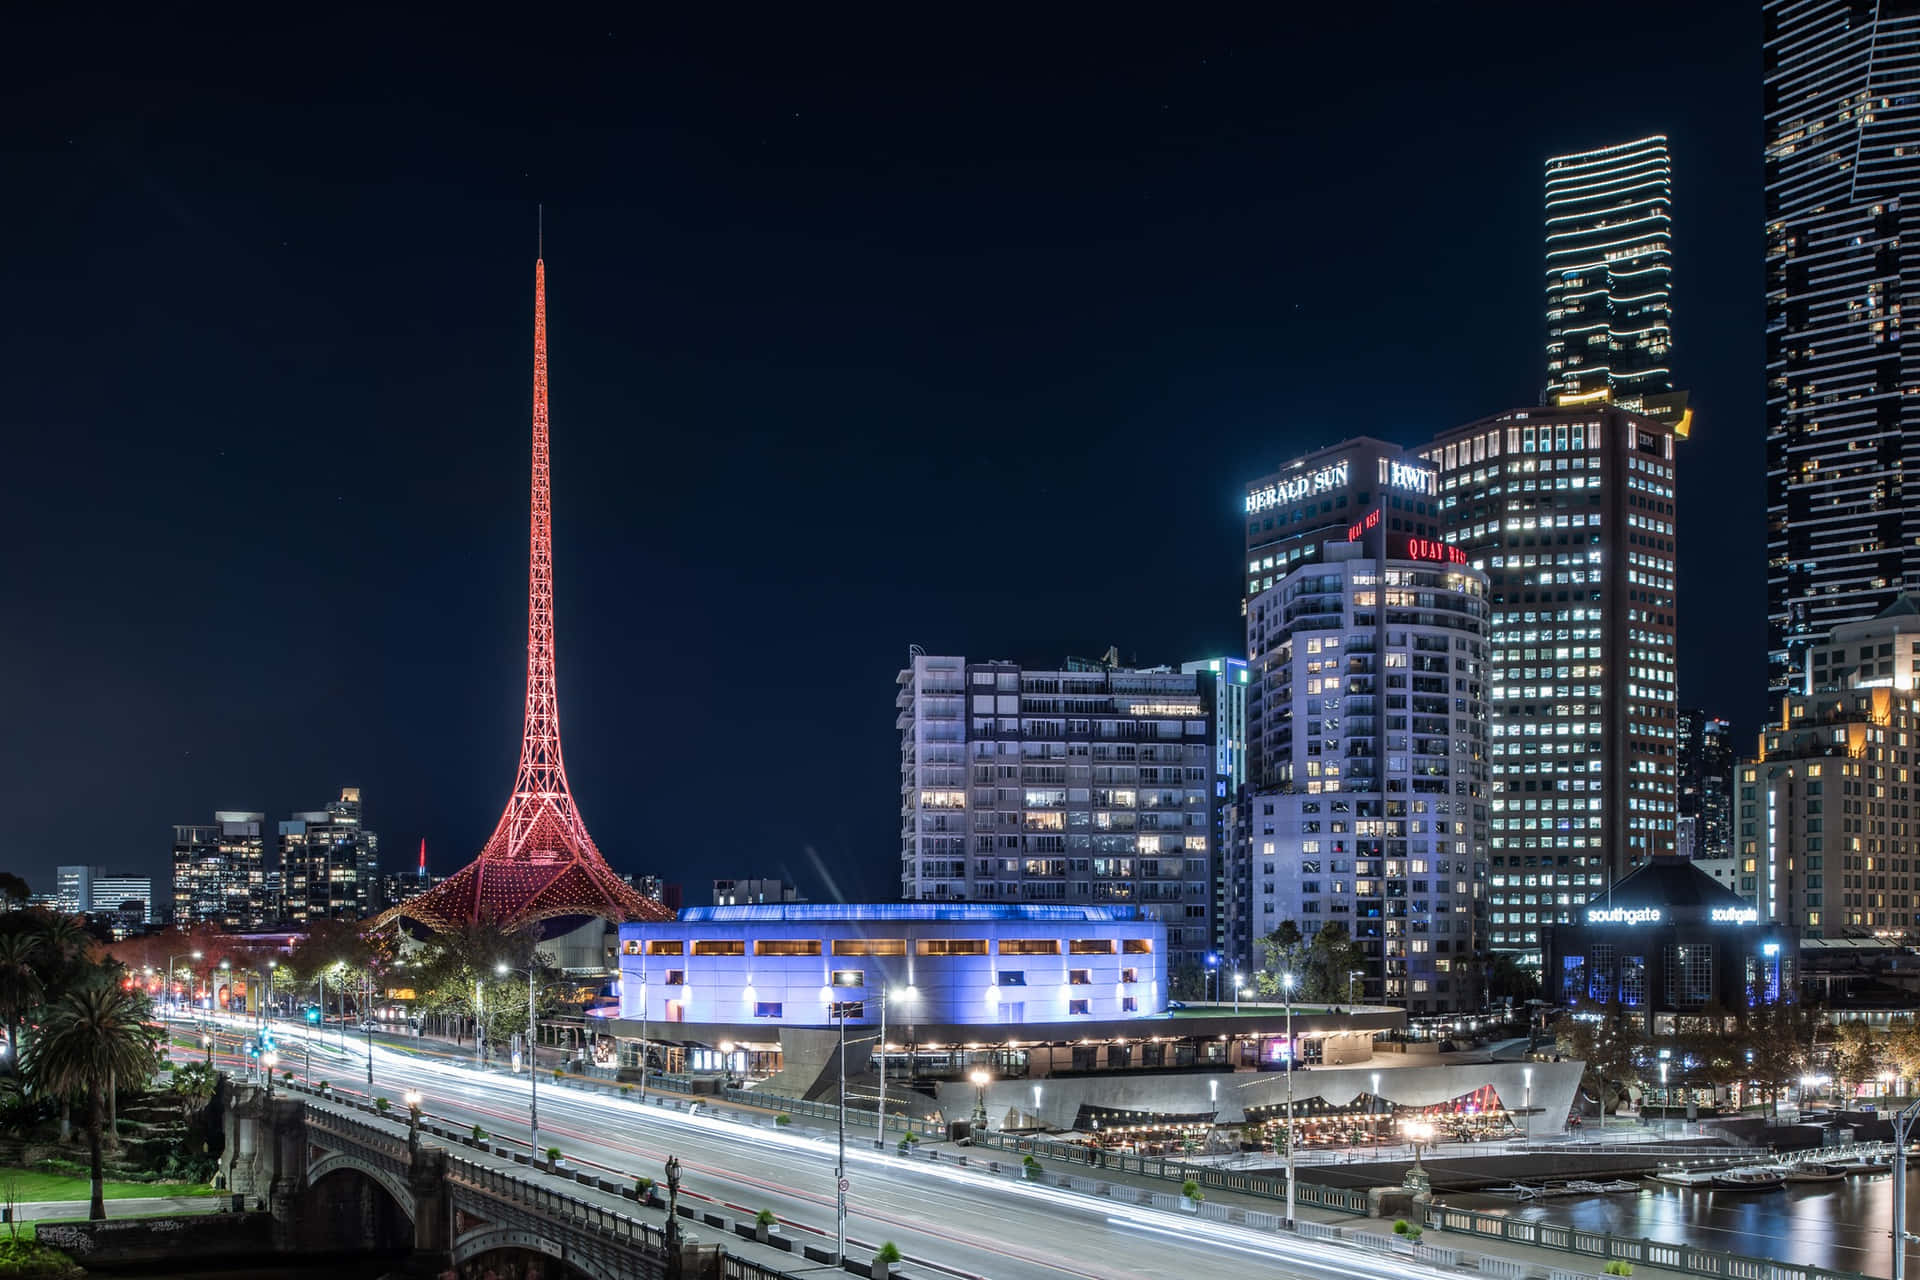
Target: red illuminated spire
(423, 857)
(540, 863)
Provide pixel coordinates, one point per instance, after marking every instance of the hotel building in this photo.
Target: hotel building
(1370, 718)
(329, 863)
(1569, 511)
(1093, 785)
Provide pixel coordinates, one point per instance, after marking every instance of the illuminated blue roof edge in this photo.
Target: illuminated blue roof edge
(984, 912)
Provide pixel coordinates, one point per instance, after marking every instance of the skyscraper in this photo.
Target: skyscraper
(1232, 936)
(329, 862)
(1569, 510)
(73, 888)
(1609, 269)
(1842, 93)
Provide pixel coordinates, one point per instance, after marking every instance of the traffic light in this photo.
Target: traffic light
(313, 1015)
(252, 1049)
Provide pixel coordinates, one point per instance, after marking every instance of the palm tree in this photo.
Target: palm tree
(20, 986)
(94, 1036)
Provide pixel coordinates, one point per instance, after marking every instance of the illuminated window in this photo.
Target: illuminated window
(1029, 946)
(719, 947)
(767, 1009)
(786, 947)
(1090, 947)
(1079, 1007)
(869, 946)
(666, 947)
(951, 946)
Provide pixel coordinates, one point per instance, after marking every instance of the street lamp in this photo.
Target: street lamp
(412, 1098)
(1351, 975)
(1526, 1074)
(1902, 1129)
(226, 967)
(1286, 984)
(1036, 1106)
(1418, 1132)
(269, 1060)
(905, 995)
(1213, 976)
(980, 1079)
(1239, 985)
(170, 959)
(837, 1009)
(1666, 1099)
(643, 1030)
(533, 1065)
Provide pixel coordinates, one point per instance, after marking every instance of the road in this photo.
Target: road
(950, 1220)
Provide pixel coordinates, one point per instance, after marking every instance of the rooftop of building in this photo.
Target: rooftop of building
(1671, 883)
(831, 912)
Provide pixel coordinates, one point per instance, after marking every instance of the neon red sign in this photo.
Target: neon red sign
(1428, 549)
(1354, 531)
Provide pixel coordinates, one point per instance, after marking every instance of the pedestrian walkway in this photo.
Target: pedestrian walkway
(140, 1207)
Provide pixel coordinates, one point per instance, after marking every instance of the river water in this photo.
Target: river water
(1843, 1225)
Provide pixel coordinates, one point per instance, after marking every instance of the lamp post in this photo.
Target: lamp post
(413, 1121)
(1239, 985)
(1526, 1074)
(1351, 975)
(226, 968)
(533, 1065)
(643, 1030)
(266, 1014)
(1286, 983)
(170, 959)
(980, 1079)
(1213, 976)
(269, 1060)
(1902, 1127)
(206, 1039)
(1418, 1131)
(837, 1009)
(1036, 1106)
(906, 996)
(1666, 1099)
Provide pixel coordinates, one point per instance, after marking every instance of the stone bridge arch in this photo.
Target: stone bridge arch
(490, 1239)
(340, 1162)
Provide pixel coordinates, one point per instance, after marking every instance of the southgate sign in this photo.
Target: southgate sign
(1736, 915)
(1623, 915)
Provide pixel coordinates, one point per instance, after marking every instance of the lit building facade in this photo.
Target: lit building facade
(1842, 101)
(329, 863)
(1569, 511)
(753, 889)
(1704, 807)
(1370, 706)
(1609, 265)
(1883, 650)
(1089, 785)
(73, 889)
(110, 893)
(220, 871)
(965, 964)
(1230, 913)
(1826, 838)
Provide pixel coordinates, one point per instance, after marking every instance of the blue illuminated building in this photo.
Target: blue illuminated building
(1668, 942)
(955, 964)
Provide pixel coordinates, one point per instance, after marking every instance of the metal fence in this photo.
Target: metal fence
(1601, 1244)
(857, 1117)
(1339, 1199)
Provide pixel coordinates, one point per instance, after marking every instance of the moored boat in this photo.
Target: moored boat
(1815, 1171)
(1749, 1180)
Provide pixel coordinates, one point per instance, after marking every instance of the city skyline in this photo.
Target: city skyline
(384, 481)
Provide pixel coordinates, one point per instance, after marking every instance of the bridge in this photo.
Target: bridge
(332, 1171)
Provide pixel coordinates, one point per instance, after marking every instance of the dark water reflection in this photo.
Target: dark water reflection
(1843, 1225)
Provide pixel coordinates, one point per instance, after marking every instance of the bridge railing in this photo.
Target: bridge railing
(1339, 1199)
(546, 1200)
(1630, 1249)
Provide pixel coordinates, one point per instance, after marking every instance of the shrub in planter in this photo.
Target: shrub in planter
(1412, 1232)
(553, 1155)
(1032, 1168)
(1191, 1190)
(763, 1223)
(911, 1138)
(783, 1119)
(478, 1135)
(643, 1190)
(381, 1105)
(883, 1259)
(1619, 1268)
(325, 1085)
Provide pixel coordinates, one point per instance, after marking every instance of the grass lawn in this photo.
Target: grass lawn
(28, 1186)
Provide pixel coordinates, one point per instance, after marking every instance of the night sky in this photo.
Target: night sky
(962, 332)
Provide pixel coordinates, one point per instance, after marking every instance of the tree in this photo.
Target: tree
(94, 1037)
(194, 1083)
(458, 971)
(1283, 952)
(1858, 1055)
(1609, 1041)
(1332, 958)
(20, 987)
(1508, 980)
(13, 891)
